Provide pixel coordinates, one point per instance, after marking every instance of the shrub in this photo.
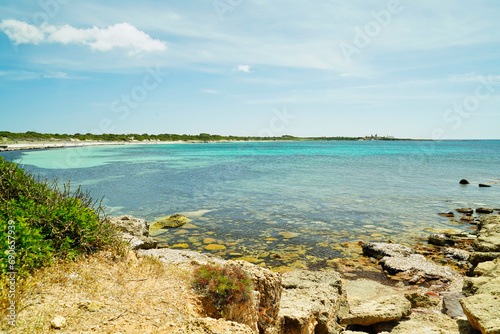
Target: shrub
(222, 284)
(46, 222)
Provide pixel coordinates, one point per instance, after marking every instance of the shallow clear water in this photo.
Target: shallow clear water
(328, 192)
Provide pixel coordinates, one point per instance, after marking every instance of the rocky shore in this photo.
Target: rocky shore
(421, 296)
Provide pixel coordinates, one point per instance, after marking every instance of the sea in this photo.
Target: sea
(283, 203)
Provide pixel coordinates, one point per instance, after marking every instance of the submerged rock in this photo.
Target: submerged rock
(171, 222)
(447, 214)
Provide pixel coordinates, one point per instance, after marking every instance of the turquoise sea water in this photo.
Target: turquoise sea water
(327, 192)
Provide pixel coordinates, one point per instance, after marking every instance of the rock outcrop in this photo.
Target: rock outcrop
(259, 312)
(134, 231)
(382, 309)
(397, 259)
(482, 305)
(441, 239)
(488, 235)
(311, 303)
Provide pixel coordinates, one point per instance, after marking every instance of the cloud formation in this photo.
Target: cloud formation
(243, 68)
(121, 35)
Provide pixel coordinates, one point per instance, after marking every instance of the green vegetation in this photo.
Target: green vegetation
(7, 137)
(41, 223)
(224, 285)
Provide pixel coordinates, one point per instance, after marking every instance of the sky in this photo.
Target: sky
(409, 69)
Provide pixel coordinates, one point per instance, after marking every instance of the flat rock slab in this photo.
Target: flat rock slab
(483, 312)
(452, 306)
(379, 250)
(489, 235)
(433, 323)
(378, 310)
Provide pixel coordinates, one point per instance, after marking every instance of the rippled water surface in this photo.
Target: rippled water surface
(245, 195)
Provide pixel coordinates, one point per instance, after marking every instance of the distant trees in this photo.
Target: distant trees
(203, 137)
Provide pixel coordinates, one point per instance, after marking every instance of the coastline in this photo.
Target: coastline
(71, 144)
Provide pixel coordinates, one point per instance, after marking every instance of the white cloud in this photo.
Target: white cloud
(210, 91)
(242, 68)
(21, 32)
(121, 35)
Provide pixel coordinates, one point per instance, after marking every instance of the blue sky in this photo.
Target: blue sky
(417, 69)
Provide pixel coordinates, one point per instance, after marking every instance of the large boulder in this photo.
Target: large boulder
(134, 231)
(381, 309)
(311, 303)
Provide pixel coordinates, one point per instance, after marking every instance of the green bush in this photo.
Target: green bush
(222, 284)
(45, 222)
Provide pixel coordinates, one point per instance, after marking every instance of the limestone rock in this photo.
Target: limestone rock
(482, 311)
(134, 231)
(467, 211)
(380, 250)
(479, 257)
(417, 264)
(382, 309)
(58, 322)
(452, 306)
(131, 225)
(484, 211)
(311, 302)
(421, 300)
(432, 323)
(139, 242)
(441, 239)
(456, 254)
(171, 222)
(489, 235)
(268, 285)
